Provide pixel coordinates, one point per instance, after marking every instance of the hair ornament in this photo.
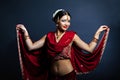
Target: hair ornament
(54, 14)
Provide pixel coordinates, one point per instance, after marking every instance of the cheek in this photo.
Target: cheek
(61, 24)
(69, 24)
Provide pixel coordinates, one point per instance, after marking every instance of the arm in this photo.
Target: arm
(29, 43)
(91, 46)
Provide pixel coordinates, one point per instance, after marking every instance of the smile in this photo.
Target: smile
(65, 26)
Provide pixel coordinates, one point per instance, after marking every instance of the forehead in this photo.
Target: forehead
(65, 17)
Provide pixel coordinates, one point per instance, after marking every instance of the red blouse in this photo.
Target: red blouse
(61, 49)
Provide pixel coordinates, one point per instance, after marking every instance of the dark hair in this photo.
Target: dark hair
(59, 13)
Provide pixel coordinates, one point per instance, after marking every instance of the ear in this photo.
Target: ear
(56, 24)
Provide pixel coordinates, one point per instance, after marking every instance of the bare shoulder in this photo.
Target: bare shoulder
(76, 37)
(44, 37)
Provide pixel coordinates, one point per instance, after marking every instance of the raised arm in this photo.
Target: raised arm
(91, 46)
(29, 43)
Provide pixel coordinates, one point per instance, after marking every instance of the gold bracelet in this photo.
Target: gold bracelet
(95, 40)
(27, 37)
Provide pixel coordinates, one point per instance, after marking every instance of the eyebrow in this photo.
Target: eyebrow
(64, 19)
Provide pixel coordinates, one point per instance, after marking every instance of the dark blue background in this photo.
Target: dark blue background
(87, 16)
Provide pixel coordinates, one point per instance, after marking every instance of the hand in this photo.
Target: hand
(21, 27)
(102, 28)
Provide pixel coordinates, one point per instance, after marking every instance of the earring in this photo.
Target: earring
(56, 24)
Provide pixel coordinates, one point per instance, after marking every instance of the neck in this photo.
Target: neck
(59, 33)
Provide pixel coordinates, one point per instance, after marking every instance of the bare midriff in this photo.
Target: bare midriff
(61, 67)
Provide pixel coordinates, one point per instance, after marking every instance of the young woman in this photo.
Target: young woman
(64, 50)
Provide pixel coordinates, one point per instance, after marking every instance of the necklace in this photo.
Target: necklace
(58, 36)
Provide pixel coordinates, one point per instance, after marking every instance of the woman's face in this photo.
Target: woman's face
(64, 23)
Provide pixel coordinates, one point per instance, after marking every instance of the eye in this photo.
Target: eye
(63, 20)
(68, 20)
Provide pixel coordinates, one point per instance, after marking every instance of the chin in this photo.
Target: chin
(64, 29)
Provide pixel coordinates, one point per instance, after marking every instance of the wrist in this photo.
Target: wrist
(97, 35)
(95, 40)
(26, 37)
(25, 33)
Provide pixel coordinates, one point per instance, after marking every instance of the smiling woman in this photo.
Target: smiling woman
(58, 55)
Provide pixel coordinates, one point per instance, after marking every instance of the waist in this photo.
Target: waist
(61, 67)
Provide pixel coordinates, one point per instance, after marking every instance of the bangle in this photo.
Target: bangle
(95, 40)
(27, 37)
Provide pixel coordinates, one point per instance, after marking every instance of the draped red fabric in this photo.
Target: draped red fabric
(53, 47)
(84, 63)
(35, 64)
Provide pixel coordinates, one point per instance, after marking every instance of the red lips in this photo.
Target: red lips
(65, 26)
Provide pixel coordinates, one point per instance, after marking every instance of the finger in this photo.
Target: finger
(18, 28)
(105, 27)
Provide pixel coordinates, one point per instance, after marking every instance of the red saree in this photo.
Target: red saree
(35, 64)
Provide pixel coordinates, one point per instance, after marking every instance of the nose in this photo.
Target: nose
(67, 23)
